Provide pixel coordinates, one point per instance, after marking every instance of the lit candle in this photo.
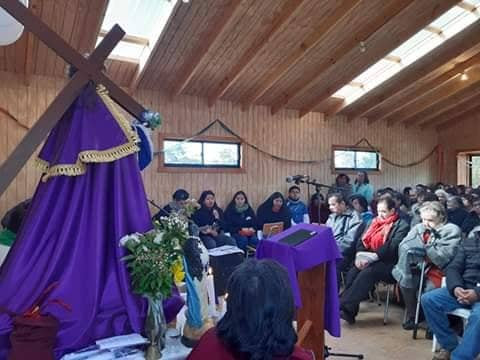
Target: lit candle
(223, 303)
(212, 307)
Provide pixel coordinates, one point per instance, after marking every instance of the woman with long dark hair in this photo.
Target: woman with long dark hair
(274, 210)
(258, 321)
(209, 219)
(240, 220)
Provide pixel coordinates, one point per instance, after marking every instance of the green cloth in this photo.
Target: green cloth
(7, 237)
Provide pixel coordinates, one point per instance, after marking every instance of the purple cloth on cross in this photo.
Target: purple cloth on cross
(320, 248)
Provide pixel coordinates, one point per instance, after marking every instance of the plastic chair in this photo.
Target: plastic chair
(462, 313)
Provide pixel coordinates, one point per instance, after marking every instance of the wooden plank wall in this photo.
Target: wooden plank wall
(461, 137)
(283, 134)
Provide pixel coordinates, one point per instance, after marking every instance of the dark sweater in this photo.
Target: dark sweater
(464, 270)
(265, 215)
(235, 221)
(388, 252)
(204, 216)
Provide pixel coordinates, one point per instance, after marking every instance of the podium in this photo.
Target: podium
(312, 274)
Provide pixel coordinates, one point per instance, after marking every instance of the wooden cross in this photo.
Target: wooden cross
(88, 70)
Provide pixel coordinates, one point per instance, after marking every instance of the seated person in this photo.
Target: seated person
(462, 291)
(347, 227)
(240, 221)
(342, 185)
(380, 245)
(438, 240)
(456, 213)
(473, 218)
(258, 321)
(296, 206)
(401, 207)
(360, 205)
(422, 196)
(209, 219)
(274, 210)
(178, 202)
(318, 209)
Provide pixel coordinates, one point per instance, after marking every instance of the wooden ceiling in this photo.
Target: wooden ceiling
(291, 54)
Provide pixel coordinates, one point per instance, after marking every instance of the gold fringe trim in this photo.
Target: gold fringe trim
(95, 156)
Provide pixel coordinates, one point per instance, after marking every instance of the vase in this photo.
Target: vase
(155, 328)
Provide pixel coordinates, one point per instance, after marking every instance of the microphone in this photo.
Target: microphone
(297, 178)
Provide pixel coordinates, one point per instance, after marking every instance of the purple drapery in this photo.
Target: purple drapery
(71, 234)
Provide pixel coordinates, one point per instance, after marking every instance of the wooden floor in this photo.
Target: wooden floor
(375, 341)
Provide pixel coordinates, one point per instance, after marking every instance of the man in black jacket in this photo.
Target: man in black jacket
(463, 291)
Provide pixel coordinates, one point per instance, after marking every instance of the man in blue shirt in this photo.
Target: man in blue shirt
(296, 206)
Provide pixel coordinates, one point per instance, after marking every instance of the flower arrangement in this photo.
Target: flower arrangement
(154, 258)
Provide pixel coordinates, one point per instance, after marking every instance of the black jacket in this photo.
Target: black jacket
(204, 216)
(457, 216)
(464, 269)
(235, 221)
(470, 222)
(388, 252)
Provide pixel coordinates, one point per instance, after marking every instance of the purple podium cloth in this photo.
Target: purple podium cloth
(71, 235)
(319, 249)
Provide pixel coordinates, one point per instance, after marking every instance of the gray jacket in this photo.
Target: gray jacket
(440, 250)
(347, 229)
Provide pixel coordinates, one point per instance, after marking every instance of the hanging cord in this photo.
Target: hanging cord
(279, 158)
(6, 112)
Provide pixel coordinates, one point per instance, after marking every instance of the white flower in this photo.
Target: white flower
(158, 238)
(133, 237)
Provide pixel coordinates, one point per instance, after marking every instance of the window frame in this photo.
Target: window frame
(355, 170)
(197, 168)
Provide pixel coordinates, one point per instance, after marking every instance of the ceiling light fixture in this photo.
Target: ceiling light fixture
(464, 77)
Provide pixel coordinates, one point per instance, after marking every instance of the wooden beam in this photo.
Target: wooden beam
(458, 110)
(439, 56)
(317, 35)
(370, 27)
(426, 87)
(142, 68)
(388, 35)
(458, 119)
(131, 39)
(191, 65)
(435, 96)
(276, 23)
(64, 50)
(334, 109)
(20, 155)
(462, 96)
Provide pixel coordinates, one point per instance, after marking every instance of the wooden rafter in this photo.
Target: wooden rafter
(192, 65)
(142, 68)
(278, 20)
(449, 50)
(458, 110)
(314, 38)
(434, 96)
(383, 40)
(437, 109)
(458, 119)
(131, 39)
(408, 100)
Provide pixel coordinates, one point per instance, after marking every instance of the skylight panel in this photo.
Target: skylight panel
(424, 41)
(144, 19)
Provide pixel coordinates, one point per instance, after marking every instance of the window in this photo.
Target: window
(209, 154)
(474, 170)
(436, 33)
(355, 159)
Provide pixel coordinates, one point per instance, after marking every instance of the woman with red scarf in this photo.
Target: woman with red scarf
(376, 255)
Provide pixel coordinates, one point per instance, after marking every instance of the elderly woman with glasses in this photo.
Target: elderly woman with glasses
(434, 241)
